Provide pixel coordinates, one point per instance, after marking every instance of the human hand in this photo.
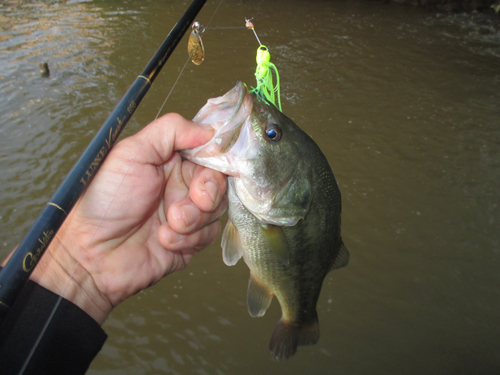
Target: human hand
(144, 216)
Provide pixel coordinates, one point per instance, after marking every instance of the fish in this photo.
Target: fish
(284, 214)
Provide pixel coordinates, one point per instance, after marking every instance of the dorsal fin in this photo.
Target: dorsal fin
(342, 258)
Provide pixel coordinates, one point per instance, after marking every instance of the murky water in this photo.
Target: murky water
(404, 103)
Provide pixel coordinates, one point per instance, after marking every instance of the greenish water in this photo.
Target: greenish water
(403, 102)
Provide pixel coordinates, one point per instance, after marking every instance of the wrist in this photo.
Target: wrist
(60, 270)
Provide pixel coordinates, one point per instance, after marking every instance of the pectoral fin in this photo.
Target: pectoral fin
(232, 248)
(258, 298)
(342, 258)
(277, 240)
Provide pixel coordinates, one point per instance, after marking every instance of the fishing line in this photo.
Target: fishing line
(72, 274)
(249, 25)
(224, 27)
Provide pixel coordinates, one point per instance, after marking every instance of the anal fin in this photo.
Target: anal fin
(258, 298)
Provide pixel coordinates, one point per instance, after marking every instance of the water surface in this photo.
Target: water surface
(403, 102)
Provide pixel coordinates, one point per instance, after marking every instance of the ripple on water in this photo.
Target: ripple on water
(39, 127)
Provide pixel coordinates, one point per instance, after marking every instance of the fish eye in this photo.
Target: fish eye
(273, 132)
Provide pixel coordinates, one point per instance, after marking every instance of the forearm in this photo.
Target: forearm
(67, 345)
(58, 315)
(61, 272)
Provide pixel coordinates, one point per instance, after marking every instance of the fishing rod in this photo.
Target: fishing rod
(23, 261)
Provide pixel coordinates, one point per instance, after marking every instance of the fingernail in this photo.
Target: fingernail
(189, 214)
(210, 189)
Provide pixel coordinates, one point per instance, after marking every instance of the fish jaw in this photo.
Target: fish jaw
(226, 115)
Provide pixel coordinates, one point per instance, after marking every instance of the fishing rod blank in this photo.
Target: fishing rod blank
(23, 261)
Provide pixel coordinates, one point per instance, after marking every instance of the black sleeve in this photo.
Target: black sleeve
(70, 343)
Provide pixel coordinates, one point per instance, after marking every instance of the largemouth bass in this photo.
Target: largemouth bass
(284, 210)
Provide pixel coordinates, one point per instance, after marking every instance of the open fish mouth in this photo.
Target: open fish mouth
(226, 115)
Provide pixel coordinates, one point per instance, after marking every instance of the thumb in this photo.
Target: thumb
(160, 138)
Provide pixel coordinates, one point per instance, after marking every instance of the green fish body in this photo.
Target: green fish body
(284, 210)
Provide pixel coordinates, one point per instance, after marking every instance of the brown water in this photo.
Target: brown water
(404, 103)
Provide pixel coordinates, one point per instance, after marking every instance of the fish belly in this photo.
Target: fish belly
(269, 277)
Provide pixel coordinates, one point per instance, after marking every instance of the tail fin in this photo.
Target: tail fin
(288, 335)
